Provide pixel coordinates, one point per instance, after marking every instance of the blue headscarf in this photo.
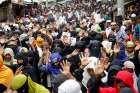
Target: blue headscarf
(53, 66)
(122, 57)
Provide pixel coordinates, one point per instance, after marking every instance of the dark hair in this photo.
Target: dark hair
(48, 39)
(24, 88)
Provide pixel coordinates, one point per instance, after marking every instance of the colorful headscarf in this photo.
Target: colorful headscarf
(39, 41)
(130, 44)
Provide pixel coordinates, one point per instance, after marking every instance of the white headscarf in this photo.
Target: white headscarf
(129, 64)
(70, 86)
(11, 53)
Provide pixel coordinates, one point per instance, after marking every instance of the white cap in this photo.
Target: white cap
(113, 23)
(108, 21)
(129, 64)
(133, 15)
(69, 86)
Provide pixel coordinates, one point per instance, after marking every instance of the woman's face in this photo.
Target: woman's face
(66, 40)
(8, 57)
(86, 53)
(81, 33)
(113, 26)
(46, 45)
(130, 49)
(19, 61)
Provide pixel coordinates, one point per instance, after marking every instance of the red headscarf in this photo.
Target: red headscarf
(127, 79)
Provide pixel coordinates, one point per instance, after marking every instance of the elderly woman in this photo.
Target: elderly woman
(132, 52)
(9, 57)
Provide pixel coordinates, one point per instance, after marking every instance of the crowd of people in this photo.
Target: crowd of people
(71, 48)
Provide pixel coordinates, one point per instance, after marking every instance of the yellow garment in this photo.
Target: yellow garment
(36, 88)
(6, 74)
(130, 44)
(19, 81)
(1, 61)
(39, 41)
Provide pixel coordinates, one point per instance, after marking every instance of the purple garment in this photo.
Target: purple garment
(122, 57)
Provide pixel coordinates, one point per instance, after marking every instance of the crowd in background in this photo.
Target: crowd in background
(72, 48)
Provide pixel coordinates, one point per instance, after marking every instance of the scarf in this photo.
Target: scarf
(6, 74)
(130, 55)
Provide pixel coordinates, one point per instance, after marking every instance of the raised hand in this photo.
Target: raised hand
(99, 69)
(137, 47)
(84, 61)
(101, 66)
(19, 70)
(104, 62)
(75, 52)
(66, 67)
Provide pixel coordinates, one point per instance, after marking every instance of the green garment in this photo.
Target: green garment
(19, 81)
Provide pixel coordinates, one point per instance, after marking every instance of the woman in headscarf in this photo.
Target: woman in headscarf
(6, 76)
(25, 60)
(130, 67)
(123, 79)
(132, 52)
(9, 58)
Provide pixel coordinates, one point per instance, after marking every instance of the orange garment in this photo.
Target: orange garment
(6, 74)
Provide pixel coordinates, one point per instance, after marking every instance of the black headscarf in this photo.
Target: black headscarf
(95, 48)
(112, 71)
